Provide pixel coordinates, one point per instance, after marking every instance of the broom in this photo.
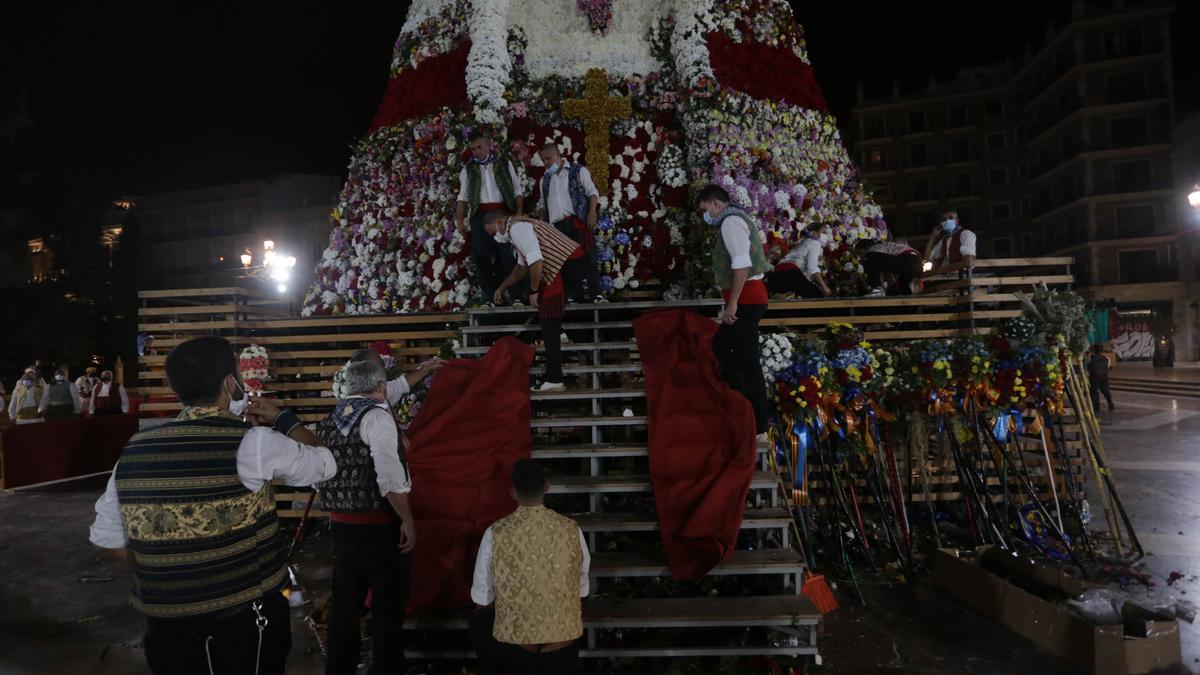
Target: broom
(814, 587)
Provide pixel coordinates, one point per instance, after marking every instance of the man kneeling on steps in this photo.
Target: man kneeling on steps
(553, 262)
(531, 571)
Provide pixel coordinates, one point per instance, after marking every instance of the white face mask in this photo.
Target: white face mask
(501, 237)
(238, 407)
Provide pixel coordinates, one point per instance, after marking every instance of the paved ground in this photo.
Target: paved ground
(64, 604)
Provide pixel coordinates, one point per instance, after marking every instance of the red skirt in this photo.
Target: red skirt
(552, 297)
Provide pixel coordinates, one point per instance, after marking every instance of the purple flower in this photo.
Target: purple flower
(604, 254)
(605, 223)
(606, 283)
(622, 238)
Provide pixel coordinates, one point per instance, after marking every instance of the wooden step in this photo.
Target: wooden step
(769, 561)
(533, 326)
(585, 394)
(705, 612)
(566, 347)
(569, 485)
(752, 519)
(576, 422)
(602, 451)
(584, 370)
(576, 307)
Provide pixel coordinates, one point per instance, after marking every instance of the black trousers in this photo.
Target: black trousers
(736, 348)
(792, 280)
(1100, 387)
(497, 658)
(590, 272)
(368, 557)
(906, 267)
(486, 252)
(229, 641)
(571, 272)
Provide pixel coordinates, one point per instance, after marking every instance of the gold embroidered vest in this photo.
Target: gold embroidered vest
(535, 573)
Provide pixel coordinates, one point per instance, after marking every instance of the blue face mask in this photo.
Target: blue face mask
(709, 219)
(949, 224)
(553, 168)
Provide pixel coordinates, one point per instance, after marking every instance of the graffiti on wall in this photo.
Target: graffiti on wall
(1132, 340)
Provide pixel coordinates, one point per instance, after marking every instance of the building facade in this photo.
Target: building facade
(195, 238)
(1068, 153)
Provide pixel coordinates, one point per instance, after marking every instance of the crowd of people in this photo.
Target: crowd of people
(41, 396)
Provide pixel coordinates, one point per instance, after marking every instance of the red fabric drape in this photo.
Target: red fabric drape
(765, 72)
(472, 427)
(437, 82)
(37, 453)
(701, 441)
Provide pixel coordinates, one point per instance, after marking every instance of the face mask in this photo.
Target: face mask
(238, 407)
(826, 238)
(709, 219)
(553, 168)
(27, 382)
(59, 377)
(501, 237)
(106, 378)
(949, 224)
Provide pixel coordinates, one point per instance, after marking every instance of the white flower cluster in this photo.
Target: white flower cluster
(693, 20)
(488, 64)
(775, 354)
(671, 170)
(561, 41)
(339, 381)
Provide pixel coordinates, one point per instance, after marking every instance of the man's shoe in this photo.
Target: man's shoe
(517, 303)
(877, 292)
(550, 386)
(599, 299)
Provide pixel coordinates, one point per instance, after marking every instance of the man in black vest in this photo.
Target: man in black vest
(372, 524)
(192, 500)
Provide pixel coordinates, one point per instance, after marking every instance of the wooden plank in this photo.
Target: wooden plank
(191, 292)
(1024, 262)
(376, 320)
(1053, 279)
(354, 338)
(699, 612)
(187, 326)
(759, 561)
(196, 309)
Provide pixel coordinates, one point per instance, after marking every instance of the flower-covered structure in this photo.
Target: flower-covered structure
(718, 90)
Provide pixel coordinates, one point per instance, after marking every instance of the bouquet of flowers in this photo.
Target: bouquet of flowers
(671, 169)
(253, 364)
(800, 386)
(775, 355)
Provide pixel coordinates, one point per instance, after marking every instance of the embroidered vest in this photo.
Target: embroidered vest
(60, 394)
(85, 385)
(355, 488)
(722, 260)
(110, 402)
(201, 541)
(954, 241)
(535, 573)
(579, 198)
(556, 247)
(503, 181)
(28, 399)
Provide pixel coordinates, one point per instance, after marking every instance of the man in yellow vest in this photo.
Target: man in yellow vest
(531, 571)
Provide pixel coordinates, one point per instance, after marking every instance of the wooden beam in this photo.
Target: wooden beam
(196, 309)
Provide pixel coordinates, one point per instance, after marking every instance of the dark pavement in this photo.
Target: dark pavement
(63, 603)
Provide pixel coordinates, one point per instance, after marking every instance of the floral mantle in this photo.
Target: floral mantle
(699, 114)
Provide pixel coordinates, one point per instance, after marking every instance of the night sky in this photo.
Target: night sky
(149, 97)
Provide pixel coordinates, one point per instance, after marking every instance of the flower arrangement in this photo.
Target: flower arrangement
(598, 12)
(253, 364)
(775, 353)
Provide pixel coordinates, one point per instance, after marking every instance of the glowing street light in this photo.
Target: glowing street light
(1194, 196)
(275, 265)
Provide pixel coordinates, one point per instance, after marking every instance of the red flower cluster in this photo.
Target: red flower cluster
(740, 66)
(437, 82)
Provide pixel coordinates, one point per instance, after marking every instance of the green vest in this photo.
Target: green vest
(201, 541)
(722, 262)
(503, 181)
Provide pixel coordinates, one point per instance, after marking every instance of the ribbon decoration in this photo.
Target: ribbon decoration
(801, 440)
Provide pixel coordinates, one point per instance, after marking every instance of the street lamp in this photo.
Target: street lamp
(1194, 196)
(275, 265)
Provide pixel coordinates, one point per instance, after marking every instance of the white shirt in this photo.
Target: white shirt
(482, 591)
(966, 246)
(735, 232)
(524, 241)
(397, 389)
(264, 455)
(85, 384)
(377, 428)
(20, 399)
(102, 389)
(558, 202)
(74, 399)
(806, 256)
(489, 190)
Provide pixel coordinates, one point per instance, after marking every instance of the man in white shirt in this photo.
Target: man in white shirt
(403, 385)
(799, 271)
(84, 385)
(108, 397)
(553, 262)
(568, 200)
(192, 500)
(371, 521)
(488, 182)
(950, 244)
(530, 574)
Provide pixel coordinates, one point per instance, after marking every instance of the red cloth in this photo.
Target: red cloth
(362, 517)
(740, 66)
(46, 451)
(437, 82)
(472, 427)
(485, 207)
(552, 298)
(701, 441)
(754, 292)
(586, 239)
